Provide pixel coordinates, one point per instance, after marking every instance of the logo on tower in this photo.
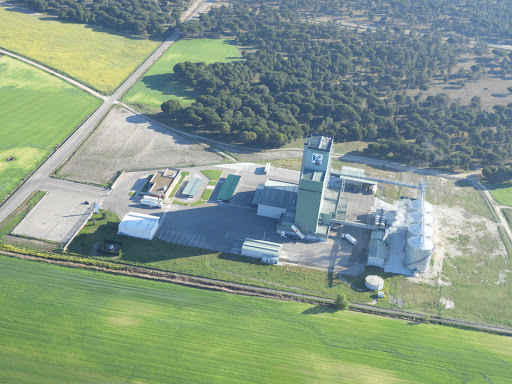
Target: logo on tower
(317, 158)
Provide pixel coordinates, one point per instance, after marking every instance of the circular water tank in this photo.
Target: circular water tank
(415, 217)
(415, 205)
(415, 230)
(418, 251)
(374, 282)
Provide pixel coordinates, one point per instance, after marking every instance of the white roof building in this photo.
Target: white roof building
(138, 225)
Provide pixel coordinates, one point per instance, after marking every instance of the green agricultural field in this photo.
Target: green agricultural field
(159, 84)
(502, 194)
(90, 55)
(62, 325)
(38, 112)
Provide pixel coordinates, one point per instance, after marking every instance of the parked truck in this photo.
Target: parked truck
(350, 238)
(151, 201)
(298, 232)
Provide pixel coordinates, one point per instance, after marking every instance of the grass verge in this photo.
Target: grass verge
(213, 175)
(507, 212)
(19, 213)
(182, 177)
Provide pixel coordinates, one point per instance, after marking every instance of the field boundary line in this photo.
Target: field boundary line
(52, 71)
(248, 290)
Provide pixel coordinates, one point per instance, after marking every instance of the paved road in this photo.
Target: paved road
(66, 149)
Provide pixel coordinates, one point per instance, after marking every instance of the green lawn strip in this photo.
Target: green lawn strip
(94, 56)
(38, 112)
(212, 182)
(506, 241)
(211, 174)
(206, 194)
(501, 193)
(507, 212)
(182, 177)
(62, 325)
(19, 214)
(159, 83)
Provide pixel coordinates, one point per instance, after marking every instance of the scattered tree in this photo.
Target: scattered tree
(341, 303)
(170, 106)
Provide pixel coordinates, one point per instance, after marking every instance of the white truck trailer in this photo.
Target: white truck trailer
(151, 201)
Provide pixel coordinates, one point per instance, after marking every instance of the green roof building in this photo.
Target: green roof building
(315, 207)
(228, 188)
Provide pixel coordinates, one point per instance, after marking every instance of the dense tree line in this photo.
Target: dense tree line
(131, 16)
(472, 18)
(302, 77)
(497, 174)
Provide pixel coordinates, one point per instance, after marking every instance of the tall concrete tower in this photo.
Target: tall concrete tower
(314, 178)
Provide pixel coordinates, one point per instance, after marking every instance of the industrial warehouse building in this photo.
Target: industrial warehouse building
(378, 249)
(274, 198)
(163, 182)
(266, 251)
(138, 225)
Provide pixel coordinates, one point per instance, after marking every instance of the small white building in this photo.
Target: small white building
(266, 251)
(138, 225)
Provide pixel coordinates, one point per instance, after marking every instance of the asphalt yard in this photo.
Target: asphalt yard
(64, 207)
(223, 226)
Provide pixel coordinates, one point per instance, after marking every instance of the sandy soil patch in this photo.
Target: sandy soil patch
(457, 231)
(447, 303)
(127, 141)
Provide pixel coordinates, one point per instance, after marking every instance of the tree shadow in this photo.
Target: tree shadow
(463, 184)
(319, 309)
(499, 95)
(168, 84)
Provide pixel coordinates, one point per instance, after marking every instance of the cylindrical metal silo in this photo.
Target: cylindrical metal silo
(418, 251)
(415, 230)
(415, 205)
(415, 217)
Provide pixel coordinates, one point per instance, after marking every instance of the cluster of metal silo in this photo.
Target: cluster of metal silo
(379, 219)
(419, 245)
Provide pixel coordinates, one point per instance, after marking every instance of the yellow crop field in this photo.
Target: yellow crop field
(92, 56)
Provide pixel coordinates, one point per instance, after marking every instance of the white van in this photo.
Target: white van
(349, 238)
